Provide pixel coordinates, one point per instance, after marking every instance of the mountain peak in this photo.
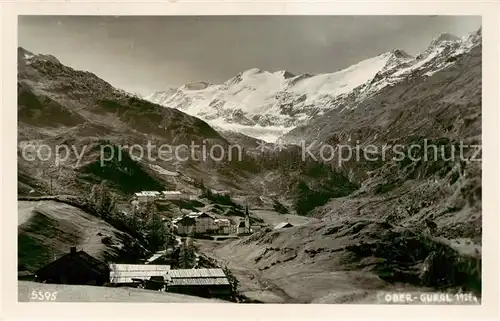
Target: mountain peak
(23, 53)
(444, 37)
(399, 53)
(285, 74)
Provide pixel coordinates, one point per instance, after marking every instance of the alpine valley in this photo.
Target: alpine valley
(357, 226)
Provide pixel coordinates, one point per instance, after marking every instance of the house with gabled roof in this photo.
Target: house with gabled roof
(223, 225)
(205, 223)
(195, 223)
(76, 267)
(185, 225)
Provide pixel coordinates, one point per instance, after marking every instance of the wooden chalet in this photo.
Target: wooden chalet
(76, 267)
(144, 275)
(199, 282)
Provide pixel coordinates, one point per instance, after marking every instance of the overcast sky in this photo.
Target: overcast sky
(146, 54)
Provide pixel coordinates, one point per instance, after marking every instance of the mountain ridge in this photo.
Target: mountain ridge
(281, 101)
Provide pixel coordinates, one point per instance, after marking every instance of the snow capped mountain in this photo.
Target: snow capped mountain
(162, 95)
(266, 105)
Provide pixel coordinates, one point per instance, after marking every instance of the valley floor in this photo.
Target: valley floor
(270, 268)
(273, 218)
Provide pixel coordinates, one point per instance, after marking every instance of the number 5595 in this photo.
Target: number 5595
(43, 296)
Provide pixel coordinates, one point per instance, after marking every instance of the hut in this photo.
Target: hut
(199, 282)
(283, 225)
(172, 195)
(138, 274)
(76, 267)
(160, 257)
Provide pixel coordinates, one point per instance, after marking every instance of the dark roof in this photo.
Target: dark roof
(186, 220)
(80, 257)
(206, 215)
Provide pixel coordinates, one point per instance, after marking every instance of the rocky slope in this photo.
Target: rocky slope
(266, 104)
(47, 229)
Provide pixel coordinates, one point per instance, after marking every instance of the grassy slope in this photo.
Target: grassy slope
(320, 262)
(47, 230)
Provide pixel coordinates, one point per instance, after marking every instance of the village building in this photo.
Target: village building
(199, 282)
(155, 257)
(223, 226)
(256, 228)
(159, 257)
(219, 192)
(283, 225)
(195, 223)
(205, 223)
(146, 196)
(76, 267)
(243, 226)
(194, 214)
(148, 275)
(172, 195)
(184, 225)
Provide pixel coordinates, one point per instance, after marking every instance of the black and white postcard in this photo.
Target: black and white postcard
(250, 158)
